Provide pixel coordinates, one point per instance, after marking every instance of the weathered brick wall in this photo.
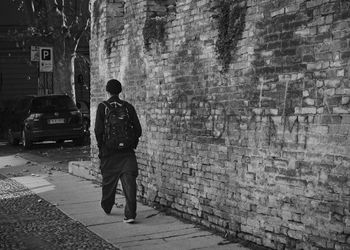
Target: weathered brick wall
(245, 111)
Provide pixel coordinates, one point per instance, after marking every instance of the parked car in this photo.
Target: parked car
(45, 118)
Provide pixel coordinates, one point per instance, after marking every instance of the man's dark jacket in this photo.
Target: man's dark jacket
(100, 127)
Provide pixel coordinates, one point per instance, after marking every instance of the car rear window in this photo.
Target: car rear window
(52, 103)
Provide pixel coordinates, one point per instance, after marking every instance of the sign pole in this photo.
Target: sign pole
(46, 66)
(35, 57)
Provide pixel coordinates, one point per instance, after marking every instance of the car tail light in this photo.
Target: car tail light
(75, 113)
(35, 116)
(76, 117)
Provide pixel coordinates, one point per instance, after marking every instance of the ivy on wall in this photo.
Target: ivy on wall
(159, 12)
(96, 13)
(108, 46)
(231, 24)
(154, 30)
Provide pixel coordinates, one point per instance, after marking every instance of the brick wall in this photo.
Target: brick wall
(245, 111)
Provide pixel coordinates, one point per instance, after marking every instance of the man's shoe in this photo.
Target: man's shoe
(130, 221)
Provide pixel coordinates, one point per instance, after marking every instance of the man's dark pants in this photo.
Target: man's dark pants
(109, 187)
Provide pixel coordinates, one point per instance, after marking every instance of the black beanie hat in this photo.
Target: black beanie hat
(114, 87)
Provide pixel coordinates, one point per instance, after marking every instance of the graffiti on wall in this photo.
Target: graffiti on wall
(197, 116)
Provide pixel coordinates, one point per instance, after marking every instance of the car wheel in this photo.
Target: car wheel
(11, 138)
(26, 142)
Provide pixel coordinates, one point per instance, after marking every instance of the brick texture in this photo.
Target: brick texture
(259, 149)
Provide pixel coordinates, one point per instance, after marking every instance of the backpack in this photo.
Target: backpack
(119, 132)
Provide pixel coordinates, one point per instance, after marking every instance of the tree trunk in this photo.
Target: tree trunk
(72, 76)
(62, 75)
(62, 67)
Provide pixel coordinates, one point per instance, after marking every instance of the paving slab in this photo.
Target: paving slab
(37, 184)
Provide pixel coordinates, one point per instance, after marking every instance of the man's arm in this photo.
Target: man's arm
(136, 124)
(99, 125)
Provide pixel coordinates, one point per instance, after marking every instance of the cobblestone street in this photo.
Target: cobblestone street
(29, 222)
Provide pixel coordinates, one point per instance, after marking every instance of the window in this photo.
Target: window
(52, 103)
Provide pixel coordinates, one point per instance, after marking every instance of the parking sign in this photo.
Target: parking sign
(46, 62)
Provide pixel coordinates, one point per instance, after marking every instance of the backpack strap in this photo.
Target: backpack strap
(107, 105)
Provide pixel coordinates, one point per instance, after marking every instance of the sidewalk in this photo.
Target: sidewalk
(80, 199)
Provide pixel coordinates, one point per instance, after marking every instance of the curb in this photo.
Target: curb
(81, 169)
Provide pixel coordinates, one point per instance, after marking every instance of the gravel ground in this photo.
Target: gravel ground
(29, 222)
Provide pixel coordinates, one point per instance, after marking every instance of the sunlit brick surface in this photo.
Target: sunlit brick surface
(259, 148)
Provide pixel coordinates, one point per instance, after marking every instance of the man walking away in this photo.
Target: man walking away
(117, 131)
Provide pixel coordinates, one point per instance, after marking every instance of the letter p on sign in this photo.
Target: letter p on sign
(46, 56)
